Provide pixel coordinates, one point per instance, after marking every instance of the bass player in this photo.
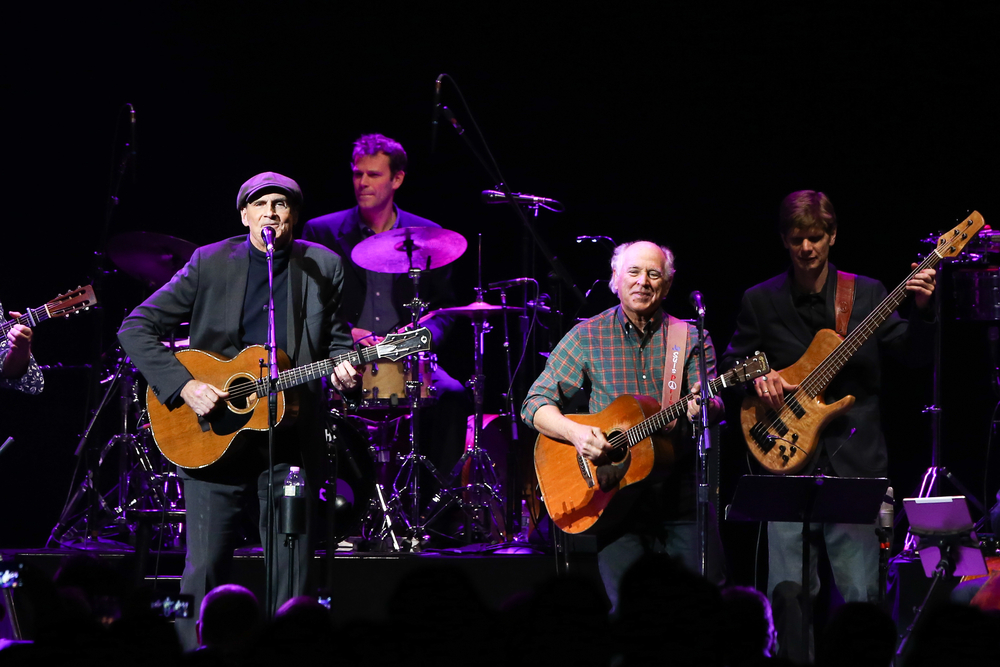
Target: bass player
(780, 317)
(624, 350)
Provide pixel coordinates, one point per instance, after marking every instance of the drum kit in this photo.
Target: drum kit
(380, 468)
(394, 393)
(144, 488)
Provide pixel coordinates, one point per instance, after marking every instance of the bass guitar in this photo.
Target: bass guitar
(74, 301)
(787, 440)
(192, 442)
(581, 496)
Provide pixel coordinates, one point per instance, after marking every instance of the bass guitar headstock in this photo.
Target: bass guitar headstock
(952, 243)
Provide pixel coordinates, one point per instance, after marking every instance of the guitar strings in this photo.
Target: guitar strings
(296, 376)
(822, 375)
(25, 319)
(648, 427)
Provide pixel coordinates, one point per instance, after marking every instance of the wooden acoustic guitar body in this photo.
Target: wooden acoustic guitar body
(189, 442)
(571, 486)
(789, 445)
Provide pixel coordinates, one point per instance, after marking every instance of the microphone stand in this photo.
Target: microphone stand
(272, 418)
(492, 168)
(703, 437)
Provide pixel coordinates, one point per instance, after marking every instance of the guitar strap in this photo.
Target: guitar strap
(844, 300)
(675, 358)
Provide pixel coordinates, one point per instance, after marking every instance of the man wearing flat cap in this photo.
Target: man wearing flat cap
(223, 292)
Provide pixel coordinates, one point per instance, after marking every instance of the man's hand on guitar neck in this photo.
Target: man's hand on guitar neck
(772, 389)
(921, 286)
(589, 441)
(19, 343)
(202, 397)
(345, 377)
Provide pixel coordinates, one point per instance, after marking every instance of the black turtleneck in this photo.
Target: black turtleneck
(253, 328)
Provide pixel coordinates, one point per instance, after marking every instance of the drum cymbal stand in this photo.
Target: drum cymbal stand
(474, 477)
(407, 481)
(89, 514)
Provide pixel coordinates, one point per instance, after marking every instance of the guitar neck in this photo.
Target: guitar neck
(296, 376)
(29, 319)
(651, 425)
(823, 374)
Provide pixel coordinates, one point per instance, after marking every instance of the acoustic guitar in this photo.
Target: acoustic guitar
(581, 496)
(192, 442)
(73, 301)
(786, 441)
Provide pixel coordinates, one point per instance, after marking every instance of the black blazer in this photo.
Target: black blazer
(769, 322)
(209, 292)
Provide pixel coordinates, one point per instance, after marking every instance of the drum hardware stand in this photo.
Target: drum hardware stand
(140, 475)
(929, 482)
(480, 490)
(409, 471)
(379, 525)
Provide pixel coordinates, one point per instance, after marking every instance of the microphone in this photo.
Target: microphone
(509, 283)
(436, 113)
(497, 197)
(450, 117)
(697, 304)
(131, 113)
(267, 236)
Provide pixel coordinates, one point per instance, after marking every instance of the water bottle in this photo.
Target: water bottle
(293, 503)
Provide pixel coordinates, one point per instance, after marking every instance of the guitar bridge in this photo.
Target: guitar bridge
(760, 435)
(585, 471)
(764, 439)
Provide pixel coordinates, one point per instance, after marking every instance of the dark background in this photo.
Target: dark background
(681, 123)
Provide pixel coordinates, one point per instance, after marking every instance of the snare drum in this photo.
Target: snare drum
(384, 382)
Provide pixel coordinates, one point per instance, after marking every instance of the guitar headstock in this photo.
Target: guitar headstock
(403, 344)
(74, 301)
(750, 368)
(952, 243)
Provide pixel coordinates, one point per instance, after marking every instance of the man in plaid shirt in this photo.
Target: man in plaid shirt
(623, 351)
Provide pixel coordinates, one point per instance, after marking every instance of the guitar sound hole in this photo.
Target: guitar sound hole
(239, 402)
(616, 455)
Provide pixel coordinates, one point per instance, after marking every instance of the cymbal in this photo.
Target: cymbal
(431, 248)
(476, 308)
(150, 257)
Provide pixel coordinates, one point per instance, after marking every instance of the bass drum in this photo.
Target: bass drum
(355, 483)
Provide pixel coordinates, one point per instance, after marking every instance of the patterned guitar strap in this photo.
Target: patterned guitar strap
(675, 358)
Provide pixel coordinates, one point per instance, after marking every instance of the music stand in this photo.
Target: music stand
(948, 544)
(807, 499)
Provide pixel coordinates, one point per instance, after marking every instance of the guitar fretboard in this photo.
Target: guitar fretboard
(651, 425)
(296, 376)
(814, 383)
(29, 319)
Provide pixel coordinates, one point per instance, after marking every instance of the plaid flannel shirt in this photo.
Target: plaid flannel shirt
(610, 352)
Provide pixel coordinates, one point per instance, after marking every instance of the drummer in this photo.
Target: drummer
(375, 303)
